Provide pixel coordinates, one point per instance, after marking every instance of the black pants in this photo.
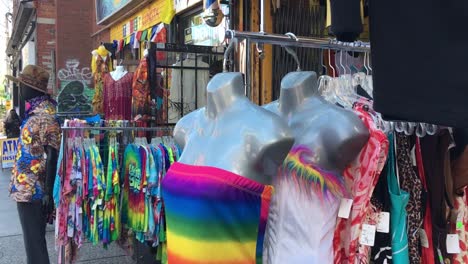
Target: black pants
(33, 223)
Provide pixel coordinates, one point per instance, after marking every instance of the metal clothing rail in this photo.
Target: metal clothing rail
(120, 128)
(306, 42)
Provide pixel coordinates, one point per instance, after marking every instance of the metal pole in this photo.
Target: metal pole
(307, 42)
(120, 128)
(262, 16)
(248, 67)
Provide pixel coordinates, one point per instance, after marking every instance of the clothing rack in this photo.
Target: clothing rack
(66, 129)
(288, 40)
(306, 42)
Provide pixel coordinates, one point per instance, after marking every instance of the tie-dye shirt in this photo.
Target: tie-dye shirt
(134, 213)
(303, 211)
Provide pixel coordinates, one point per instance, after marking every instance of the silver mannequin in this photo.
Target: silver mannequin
(233, 134)
(335, 135)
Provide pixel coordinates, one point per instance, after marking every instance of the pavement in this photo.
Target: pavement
(11, 238)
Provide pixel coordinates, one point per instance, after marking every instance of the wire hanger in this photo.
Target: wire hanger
(292, 52)
(232, 46)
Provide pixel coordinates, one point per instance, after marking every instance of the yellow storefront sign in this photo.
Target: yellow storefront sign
(146, 17)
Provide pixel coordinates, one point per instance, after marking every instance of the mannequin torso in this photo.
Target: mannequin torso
(336, 135)
(233, 134)
(118, 73)
(310, 182)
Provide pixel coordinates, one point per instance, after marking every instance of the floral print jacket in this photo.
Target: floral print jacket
(39, 130)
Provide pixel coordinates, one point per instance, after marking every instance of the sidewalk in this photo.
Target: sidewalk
(11, 239)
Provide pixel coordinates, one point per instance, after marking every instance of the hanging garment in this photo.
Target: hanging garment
(427, 255)
(410, 183)
(360, 176)
(420, 97)
(214, 216)
(306, 201)
(345, 19)
(461, 228)
(435, 157)
(140, 91)
(398, 216)
(459, 156)
(118, 97)
(101, 65)
(380, 202)
(134, 172)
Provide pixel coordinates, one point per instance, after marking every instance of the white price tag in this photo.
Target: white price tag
(413, 156)
(453, 244)
(423, 238)
(345, 208)
(80, 210)
(367, 237)
(383, 226)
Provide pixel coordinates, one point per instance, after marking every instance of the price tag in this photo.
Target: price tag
(460, 217)
(367, 237)
(80, 210)
(345, 208)
(453, 244)
(423, 238)
(383, 226)
(413, 156)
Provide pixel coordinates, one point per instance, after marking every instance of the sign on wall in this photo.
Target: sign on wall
(9, 149)
(106, 8)
(181, 5)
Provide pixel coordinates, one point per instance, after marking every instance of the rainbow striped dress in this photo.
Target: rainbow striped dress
(214, 216)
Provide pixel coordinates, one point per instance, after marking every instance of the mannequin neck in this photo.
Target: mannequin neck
(295, 88)
(118, 73)
(223, 91)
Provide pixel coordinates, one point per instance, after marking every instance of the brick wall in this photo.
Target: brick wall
(74, 29)
(45, 32)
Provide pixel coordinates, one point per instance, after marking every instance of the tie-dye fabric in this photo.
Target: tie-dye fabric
(134, 213)
(303, 212)
(214, 216)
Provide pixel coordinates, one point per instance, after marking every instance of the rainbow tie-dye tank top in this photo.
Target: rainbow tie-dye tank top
(303, 211)
(214, 216)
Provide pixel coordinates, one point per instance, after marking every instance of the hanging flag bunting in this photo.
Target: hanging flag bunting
(121, 45)
(144, 35)
(150, 32)
(127, 40)
(156, 31)
(136, 43)
(132, 40)
(138, 35)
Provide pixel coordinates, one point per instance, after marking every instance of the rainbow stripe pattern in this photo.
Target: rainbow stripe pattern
(299, 166)
(214, 216)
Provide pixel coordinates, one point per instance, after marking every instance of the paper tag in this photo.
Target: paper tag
(423, 238)
(413, 156)
(345, 208)
(441, 258)
(460, 217)
(80, 210)
(144, 190)
(383, 226)
(367, 237)
(453, 244)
